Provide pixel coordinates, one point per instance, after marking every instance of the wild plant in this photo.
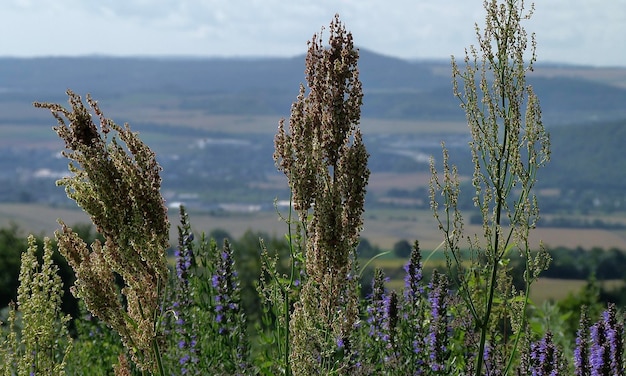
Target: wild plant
(508, 145)
(38, 342)
(545, 358)
(96, 347)
(279, 290)
(184, 328)
(440, 330)
(10, 344)
(377, 346)
(581, 351)
(600, 347)
(325, 162)
(119, 187)
(408, 333)
(413, 316)
(207, 324)
(229, 315)
(471, 321)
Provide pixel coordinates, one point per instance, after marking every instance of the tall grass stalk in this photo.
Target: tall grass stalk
(323, 156)
(509, 144)
(282, 289)
(44, 338)
(116, 180)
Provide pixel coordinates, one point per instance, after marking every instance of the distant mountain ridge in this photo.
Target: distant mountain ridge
(583, 109)
(394, 88)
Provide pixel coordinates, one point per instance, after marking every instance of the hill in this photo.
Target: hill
(212, 121)
(394, 88)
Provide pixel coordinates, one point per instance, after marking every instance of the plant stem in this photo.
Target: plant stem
(500, 197)
(157, 354)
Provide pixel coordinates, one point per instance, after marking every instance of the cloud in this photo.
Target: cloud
(584, 31)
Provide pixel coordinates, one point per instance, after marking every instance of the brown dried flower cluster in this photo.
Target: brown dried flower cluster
(325, 161)
(119, 187)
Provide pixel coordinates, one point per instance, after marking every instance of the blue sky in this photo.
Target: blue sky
(590, 32)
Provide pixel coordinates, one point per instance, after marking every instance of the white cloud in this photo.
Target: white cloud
(575, 31)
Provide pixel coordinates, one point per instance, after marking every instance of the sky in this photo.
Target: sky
(588, 32)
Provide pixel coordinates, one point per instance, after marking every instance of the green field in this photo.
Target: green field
(26, 125)
(553, 289)
(383, 227)
(544, 289)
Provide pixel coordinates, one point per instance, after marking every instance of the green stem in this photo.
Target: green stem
(379, 255)
(484, 325)
(529, 280)
(286, 354)
(157, 354)
(521, 329)
(286, 302)
(157, 325)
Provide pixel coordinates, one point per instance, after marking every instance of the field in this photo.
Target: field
(554, 289)
(25, 125)
(383, 227)
(544, 289)
(161, 114)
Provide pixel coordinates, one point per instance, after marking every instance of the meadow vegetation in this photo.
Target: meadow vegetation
(309, 302)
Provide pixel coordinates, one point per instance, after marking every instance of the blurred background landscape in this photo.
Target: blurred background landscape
(206, 83)
(211, 122)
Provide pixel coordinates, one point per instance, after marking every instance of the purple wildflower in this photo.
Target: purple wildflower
(340, 343)
(607, 345)
(226, 287)
(598, 356)
(439, 329)
(376, 308)
(412, 280)
(412, 320)
(390, 322)
(544, 357)
(182, 302)
(487, 357)
(581, 352)
(184, 359)
(390, 303)
(184, 255)
(615, 338)
(231, 321)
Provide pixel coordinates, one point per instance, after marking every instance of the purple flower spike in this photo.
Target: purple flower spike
(437, 340)
(413, 278)
(544, 357)
(581, 351)
(181, 304)
(607, 345)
